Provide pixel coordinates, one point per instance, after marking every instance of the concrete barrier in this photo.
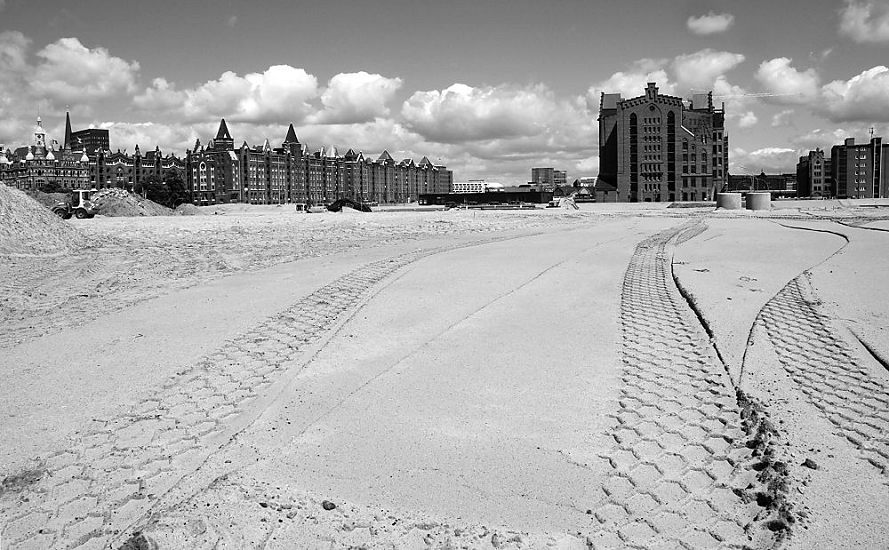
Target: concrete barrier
(729, 201)
(759, 200)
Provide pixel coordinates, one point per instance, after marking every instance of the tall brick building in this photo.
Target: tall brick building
(264, 174)
(72, 165)
(658, 148)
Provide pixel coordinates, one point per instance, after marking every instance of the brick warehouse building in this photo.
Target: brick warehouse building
(656, 148)
(73, 166)
(262, 174)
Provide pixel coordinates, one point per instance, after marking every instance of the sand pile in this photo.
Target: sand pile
(48, 199)
(120, 202)
(26, 227)
(188, 209)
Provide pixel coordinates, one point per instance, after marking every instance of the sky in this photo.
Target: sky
(490, 88)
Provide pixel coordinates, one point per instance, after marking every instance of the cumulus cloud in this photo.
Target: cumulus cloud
(710, 23)
(126, 135)
(161, 95)
(783, 118)
(865, 21)
(792, 86)
(357, 97)
(700, 70)
(281, 92)
(632, 82)
(69, 72)
(685, 74)
(864, 97)
(748, 119)
(462, 113)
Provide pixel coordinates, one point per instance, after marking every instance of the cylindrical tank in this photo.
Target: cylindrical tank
(729, 201)
(759, 200)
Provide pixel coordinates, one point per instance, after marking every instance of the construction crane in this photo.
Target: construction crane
(751, 94)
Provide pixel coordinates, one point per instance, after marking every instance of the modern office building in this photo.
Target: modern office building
(548, 177)
(657, 147)
(91, 140)
(859, 170)
(219, 172)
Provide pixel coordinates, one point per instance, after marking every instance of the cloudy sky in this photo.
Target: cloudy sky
(488, 87)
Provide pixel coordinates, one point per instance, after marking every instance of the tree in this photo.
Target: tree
(168, 191)
(51, 186)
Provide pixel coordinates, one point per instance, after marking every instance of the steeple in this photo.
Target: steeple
(222, 134)
(291, 136)
(223, 140)
(67, 143)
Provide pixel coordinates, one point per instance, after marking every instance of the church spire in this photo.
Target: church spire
(68, 144)
(222, 134)
(291, 136)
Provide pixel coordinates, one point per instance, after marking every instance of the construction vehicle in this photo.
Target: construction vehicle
(77, 204)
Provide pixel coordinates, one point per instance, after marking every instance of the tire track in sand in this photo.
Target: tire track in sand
(679, 459)
(828, 371)
(90, 492)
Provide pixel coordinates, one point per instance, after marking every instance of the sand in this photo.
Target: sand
(615, 376)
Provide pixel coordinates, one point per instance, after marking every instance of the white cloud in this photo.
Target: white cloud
(357, 97)
(632, 83)
(792, 86)
(280, 93)
(70, 72)
(463, 113)
(865, 21)
(126, 135)
(783, 118)
(700, 70)
(710, 23)
(864, 97)
(748, 119)
(161, 96)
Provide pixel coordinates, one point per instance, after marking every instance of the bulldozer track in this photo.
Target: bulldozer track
(679, 449)
(854, 398)
(92, 490)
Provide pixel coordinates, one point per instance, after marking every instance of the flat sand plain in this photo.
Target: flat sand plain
(620, 376)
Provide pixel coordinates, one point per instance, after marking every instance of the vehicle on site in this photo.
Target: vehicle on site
(77, 204)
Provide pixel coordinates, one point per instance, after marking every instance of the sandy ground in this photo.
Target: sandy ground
(618, 376)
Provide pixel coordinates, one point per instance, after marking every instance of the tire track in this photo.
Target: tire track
(679, 461)
(828, 372)
(92, 490)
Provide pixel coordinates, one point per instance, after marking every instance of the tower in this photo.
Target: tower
(67, 145)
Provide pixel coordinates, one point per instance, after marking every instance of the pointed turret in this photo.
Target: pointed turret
(67, 144)
(223, 140)
(223, 134)
(291, 136)
(385, 157)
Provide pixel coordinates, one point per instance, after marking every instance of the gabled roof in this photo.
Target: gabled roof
(291, 135)
(222, 134)
(385, 156)
(425, 161)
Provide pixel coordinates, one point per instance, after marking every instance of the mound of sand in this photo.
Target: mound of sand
(26, 227)
(188, 209)
(120, 202)
(48, 199)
